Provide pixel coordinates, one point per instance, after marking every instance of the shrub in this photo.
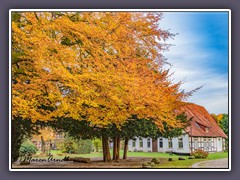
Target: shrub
(200, 154)
(97, 144)
(155, 160)
(152, 164)
(146, 165)
(181, 158)
(84, 147)
(71, 145)
(27, 149)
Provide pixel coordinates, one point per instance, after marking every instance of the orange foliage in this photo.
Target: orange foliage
(47, 134)
(98, 66)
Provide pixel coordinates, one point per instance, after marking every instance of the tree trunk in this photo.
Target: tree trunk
(118, 147)
(16, 142)
(125, 148)
(114, 147)
(106, 151)
(43, 145)
(97, 145)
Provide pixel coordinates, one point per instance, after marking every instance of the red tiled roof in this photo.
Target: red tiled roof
(202, 123)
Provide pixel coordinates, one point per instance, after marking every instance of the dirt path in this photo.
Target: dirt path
(131, 162)
(219, 163)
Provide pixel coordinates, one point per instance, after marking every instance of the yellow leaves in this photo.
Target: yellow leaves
(98, 65)
(46, 133)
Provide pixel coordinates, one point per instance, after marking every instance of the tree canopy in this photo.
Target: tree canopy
(96, 66)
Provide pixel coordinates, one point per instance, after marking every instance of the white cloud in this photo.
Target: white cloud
(191, 63)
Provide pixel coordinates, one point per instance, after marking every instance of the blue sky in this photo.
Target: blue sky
(199, 55)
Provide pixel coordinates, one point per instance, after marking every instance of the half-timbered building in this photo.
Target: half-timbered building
(203, 133)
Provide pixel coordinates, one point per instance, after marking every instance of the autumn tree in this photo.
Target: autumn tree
(217, 118)
(45, 134)
(98, 67)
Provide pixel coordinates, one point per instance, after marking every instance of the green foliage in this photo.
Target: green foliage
(200, 154)
(147, 128)
(84, 147)
(27, 149)
(224, 124)
(72, 145)
(175, 132)
(75, 128)
(16, 16)
(69, 145)
(97, 144)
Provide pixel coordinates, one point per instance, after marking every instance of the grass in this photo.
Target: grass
(189, 162)
(57, 154)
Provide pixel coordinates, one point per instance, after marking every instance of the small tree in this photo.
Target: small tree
(97, 144)
(224, 125)
(200, 154)
(69, 145)
(45, 134)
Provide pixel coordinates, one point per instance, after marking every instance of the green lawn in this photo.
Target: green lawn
(189, 162)
(162, 156)
(59, 154)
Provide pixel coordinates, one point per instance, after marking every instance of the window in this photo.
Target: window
(209, 142)
(169, 142)
(195, 143)
(133, 143)
(205, 143)
(148, 143)
(161, 143)
(180, 142)
(140, 142)
(197, 125)
(206, 129)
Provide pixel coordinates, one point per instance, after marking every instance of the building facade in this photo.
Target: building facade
(203, 133)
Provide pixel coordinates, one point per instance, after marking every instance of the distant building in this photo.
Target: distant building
(203, 133)
(58, 138)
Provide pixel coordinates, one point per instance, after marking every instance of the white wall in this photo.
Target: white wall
(165, 147)
(175, 147)
(216, 144)
(219, 144)
(145, 148)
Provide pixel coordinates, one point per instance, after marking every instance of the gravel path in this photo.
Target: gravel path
(219, 163)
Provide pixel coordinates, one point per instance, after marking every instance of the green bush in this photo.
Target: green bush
(200, 154)
(155, 160)
(71, 145)
(84, 147)
(97, 144)
(27, 149)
